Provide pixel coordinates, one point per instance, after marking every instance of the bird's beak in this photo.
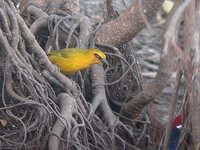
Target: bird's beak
(104, 61)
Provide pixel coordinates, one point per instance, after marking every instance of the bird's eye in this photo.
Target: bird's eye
(97, 56)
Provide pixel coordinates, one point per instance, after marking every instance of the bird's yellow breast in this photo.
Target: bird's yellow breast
(72, 60)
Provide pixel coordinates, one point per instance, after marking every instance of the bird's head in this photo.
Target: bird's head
(98, 57)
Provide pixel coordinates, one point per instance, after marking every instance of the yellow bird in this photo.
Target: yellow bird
(71, 60)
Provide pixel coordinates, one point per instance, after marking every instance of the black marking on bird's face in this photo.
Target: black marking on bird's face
(97, 56)
(102, 60)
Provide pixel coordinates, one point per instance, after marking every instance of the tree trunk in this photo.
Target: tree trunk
(192, 61)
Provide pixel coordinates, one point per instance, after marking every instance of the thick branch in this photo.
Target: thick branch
(67, 106)
(192, 72)
(167, 63)
(126, 26)
(172, 110)
(53, 7)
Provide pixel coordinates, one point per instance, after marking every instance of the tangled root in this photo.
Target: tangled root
(32, 113)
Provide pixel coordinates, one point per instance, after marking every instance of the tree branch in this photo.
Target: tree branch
(192, 72)
(128, 24)
(167, 63)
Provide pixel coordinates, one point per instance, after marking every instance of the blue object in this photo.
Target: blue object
(174, 138)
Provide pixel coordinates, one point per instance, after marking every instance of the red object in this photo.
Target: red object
(178, 120)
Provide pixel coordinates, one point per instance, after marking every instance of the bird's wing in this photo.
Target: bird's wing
(66, 53)
(54, 53)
